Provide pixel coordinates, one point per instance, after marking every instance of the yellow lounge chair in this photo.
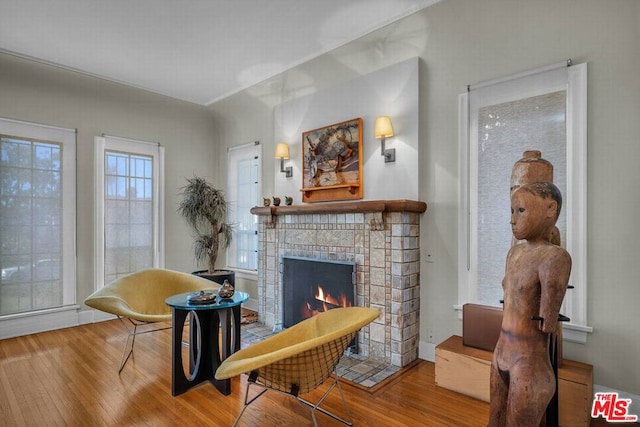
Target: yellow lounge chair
(140, 298)
(300, 358)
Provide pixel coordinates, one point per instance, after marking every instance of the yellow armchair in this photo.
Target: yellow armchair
(300, 358)
(140, 299)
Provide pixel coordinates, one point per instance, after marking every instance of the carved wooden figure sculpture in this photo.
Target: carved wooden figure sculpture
(536, 277)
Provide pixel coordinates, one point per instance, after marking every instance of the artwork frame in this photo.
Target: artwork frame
(332, 162)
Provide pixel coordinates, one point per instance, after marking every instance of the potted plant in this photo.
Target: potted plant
(205, 210)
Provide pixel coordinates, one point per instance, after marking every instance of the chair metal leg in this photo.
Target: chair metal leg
(248, 402)
(132, 333)
(130, 337)
(314, 407)
(126, 355)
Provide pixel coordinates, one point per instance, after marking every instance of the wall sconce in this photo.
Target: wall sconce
(282, 153)
(383, 129)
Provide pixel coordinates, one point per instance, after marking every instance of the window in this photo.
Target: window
(542, 110)
(243, 189)
(129, 207)
(37, 220)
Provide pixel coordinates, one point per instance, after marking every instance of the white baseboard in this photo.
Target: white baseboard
(49, 320)
(427, 351)
(93, 316)
(42, 321)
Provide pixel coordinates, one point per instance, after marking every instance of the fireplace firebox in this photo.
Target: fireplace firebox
(311, 286)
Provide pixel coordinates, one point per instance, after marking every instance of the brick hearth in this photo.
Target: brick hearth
(381, 237)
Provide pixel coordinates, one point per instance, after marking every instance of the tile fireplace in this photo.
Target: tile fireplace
(382, 239)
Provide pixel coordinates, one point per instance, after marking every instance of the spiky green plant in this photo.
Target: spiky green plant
(205, 210)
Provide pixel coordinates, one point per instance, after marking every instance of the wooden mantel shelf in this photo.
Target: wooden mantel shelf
(364, 206)
(351, 188)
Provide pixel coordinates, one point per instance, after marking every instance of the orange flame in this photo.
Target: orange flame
(327, 301)
(340, 301)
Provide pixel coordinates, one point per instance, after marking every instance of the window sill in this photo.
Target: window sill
(576, 333)
(244, 274)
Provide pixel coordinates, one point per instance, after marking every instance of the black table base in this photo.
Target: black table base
(214, 335)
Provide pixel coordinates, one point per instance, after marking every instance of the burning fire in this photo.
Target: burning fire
(341, 301)
(327, 302)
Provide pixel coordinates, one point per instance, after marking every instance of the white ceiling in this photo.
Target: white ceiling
(195, 50)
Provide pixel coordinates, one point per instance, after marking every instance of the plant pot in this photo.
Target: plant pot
(218, 276)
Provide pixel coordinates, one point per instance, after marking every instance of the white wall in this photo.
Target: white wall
(392, 91)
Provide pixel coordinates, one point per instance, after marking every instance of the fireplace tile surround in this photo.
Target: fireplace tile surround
(381, 237)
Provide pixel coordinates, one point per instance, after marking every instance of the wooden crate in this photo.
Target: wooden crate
(466, 370)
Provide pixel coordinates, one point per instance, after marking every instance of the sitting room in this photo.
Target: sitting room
(361, 157)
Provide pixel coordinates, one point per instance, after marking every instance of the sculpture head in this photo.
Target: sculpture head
(534, 210)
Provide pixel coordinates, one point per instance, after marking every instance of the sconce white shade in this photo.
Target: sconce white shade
(282, 151)
(383, 128)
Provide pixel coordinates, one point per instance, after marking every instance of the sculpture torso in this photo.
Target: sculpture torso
(523, 292)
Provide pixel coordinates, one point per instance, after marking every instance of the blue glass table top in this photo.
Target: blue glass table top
(180, 301)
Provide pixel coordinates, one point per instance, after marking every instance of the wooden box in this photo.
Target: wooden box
(466, 370)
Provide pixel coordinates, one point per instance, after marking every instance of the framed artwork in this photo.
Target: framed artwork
(332, 162)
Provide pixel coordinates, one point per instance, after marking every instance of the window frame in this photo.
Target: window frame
(68, 140)
(130, 146)
(253, 149)
(575, 201)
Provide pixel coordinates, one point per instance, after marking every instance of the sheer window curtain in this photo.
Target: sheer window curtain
(544, 110)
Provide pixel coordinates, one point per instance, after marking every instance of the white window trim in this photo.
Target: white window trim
(65, 316)
(575, 304)
(67, 137)
(242, 273)
(106, 142)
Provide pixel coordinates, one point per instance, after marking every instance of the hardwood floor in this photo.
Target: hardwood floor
(70, 377)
